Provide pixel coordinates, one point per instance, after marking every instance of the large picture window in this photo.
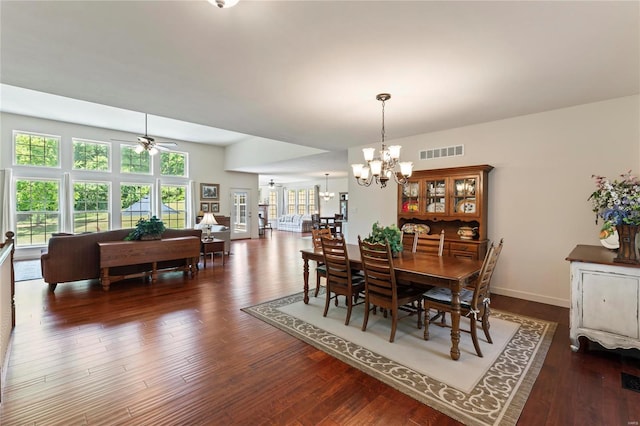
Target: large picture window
(291, 201)
(135, 204)
(88, 155)
(302, 201)
(90, 207)
(173, 164)
(273, 205)
(132, 162)
(36, 150)
(37, 211)
(174, 206)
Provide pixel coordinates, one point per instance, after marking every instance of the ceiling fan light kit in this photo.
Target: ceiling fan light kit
(226, 4)
(147, 143)
(382, 168)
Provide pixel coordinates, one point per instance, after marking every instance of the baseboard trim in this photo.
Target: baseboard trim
(533, 297)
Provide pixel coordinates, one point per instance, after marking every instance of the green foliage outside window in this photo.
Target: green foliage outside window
(132, 162)
(173, 164)
(38, 211)
(36, 150)
(90, 207)
(90, 155)
(174, 205)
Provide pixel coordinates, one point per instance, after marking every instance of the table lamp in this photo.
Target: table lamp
(208, 220)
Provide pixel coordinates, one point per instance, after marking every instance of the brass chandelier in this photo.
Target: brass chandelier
(381, 168)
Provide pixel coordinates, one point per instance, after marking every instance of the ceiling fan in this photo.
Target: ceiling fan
(273, 184)
(147, 143)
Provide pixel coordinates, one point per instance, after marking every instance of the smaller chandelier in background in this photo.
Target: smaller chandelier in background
(326, 195)
(380, 169)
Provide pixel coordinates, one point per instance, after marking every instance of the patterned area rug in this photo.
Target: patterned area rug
(475, 391)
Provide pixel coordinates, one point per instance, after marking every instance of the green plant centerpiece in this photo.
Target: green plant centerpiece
(147, 229)
(390, 233)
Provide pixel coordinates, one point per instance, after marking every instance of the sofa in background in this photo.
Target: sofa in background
(77, 257)
(295, 223)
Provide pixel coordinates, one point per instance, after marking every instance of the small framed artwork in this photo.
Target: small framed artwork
(215, 207)
(209, 191)
(204, 207)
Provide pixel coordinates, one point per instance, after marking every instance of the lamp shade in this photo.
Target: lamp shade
(208, 219)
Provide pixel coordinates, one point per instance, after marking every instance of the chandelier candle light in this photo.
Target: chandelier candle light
(326, 195)
(380, 169)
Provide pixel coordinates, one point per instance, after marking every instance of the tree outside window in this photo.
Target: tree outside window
(135, 203)
(174, 206)
(36, 150)
(37, 211)
(173, 164)
(132, 162)
(90, 207)
(88, 155)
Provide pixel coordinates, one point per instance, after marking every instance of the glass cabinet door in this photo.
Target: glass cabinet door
(410, 200)
(464, 196)
(436, 191)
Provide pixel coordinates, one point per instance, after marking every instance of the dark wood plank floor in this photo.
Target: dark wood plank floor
(182, 353)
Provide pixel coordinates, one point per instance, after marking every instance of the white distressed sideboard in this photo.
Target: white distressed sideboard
(605, 299)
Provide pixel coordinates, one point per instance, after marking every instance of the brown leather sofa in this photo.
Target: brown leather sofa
(76, 257)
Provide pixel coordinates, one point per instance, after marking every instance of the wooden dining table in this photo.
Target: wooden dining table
(420, 269)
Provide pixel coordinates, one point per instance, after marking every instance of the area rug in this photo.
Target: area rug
(27, 270)
(475, 391)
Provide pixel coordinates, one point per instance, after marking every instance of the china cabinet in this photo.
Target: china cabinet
(453, 200)
(605, 299)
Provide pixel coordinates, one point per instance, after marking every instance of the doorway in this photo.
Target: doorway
(240, 213)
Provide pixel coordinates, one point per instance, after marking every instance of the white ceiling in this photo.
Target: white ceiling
(307, 72)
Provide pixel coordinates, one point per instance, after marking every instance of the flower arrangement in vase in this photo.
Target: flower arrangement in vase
(618, 204)
(390, 233)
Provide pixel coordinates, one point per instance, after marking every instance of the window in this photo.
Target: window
(302, 201)
(132, 162)
(89, 155)
(36, 150)
(273, 205)
(135, 204)
(38, 211)
(291, 201)
(173, 164)
(312, 201)
(174, 206)
(90, 207)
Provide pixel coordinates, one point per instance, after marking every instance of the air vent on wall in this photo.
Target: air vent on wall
(448, 151)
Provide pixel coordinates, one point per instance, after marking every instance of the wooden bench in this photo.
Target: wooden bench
(123, 253)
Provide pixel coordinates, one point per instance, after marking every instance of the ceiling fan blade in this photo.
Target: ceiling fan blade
(167, 143)
(160, 147)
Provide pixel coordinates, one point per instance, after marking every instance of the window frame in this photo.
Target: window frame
(14, 153)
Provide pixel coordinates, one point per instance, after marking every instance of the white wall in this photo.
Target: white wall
(538, 190)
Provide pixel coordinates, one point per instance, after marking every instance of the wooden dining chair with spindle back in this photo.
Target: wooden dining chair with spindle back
(473, 303)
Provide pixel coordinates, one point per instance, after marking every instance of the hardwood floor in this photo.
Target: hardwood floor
(182, 353)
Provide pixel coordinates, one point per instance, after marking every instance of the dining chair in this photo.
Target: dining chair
(426, 244)
(381, 289)
(340, 279)
(409, 240)
(321, 270)
(473, 303)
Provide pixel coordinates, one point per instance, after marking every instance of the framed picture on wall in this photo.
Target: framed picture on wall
(209, 191)
(204, 207)
(215, 207)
